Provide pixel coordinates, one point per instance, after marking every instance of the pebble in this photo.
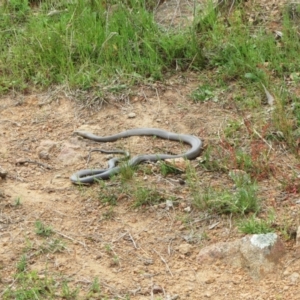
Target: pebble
(210, 280)
(294, 277)
(207, 294)
(187, 209)
(185, 249)
(43, 154)
(3, 173)
(131, 115)
(157, 289)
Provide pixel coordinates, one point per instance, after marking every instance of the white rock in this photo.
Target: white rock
(131, 115)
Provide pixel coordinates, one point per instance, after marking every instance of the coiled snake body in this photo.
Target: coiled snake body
(92, 175)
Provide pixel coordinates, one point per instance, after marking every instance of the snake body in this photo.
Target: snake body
(92, 175)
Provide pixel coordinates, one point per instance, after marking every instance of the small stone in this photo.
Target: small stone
(298, 237)
(185, 249)
(187, 209)
(2, 195)
(182, 205)
(169, 204)
(43, 154)
(162, 205)
(157, 289)
(294, 277)
(181, 227)
(210, 280)
(131, 115)
(207, 294)
(3, 173)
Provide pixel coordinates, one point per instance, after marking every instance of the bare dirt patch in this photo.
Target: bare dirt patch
(136, 252)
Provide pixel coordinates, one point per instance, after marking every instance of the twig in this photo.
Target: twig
(169, 247)
(270, 98)
(152, 294)
(163, 260)
(257, 133)
(230, 9)
(134, 244)
(23, 161)
(17, 277)
(71, 239)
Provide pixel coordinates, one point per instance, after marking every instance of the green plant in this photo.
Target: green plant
(42, 230)
(232, 128)
(59, 49)
(202, 93)
(18, 201)
(284, 121)
(166, 168)
(254, 225)
(22, 264)
(146, 196)
(108, 248)
(126, 172)
(109, 199)
(109, 214)
(240, 200)
(28, 286)
(95, 287)
(53, 246)
(67, 292)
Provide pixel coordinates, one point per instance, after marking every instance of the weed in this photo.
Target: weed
(126, 172)
(28, 285)
(146, 196)
(18, 201)
(42, 230)
(210, 159)
(166, 168)
(67, 292)
(284, 122)
(22, 264)
(253, 225)
(95, 287)
(202, 93)
(109, 199)
(241, 200)
(232, 128)
(108, 248)
(115, 261)
(53, 246)
(254, 162)
(109, 214)
(59, 49)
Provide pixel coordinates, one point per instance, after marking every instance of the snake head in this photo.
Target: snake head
(81, 133)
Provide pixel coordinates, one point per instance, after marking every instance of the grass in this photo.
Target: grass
(123, 41)
(254, 225)
(241, 199)
(146, 196)
(124, 46)
(42, 229)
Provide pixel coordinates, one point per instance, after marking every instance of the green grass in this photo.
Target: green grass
(124, 46)
(254, 225)
(123, 43)
(241, 199)
(146, 196)
(42, 230)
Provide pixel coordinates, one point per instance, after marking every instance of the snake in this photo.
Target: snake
(94, 175)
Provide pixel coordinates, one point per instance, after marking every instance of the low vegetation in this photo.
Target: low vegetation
(90, 44)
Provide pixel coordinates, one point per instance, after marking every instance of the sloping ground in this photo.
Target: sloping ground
(134, 252)
(148, 252)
